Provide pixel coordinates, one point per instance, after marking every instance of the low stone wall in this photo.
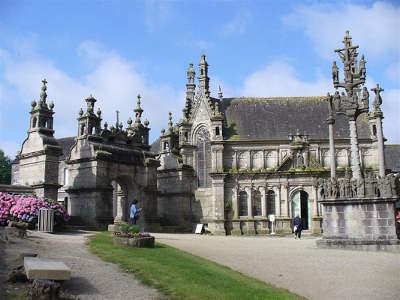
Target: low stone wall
(16, 189)
(366, 219)
(141, 242)
(378, 245)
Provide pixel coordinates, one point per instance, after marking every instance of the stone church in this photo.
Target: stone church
(229, 163)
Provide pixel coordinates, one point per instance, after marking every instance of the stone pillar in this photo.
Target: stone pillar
(263, 202)
(355, 156)
(250, 203)
(235, 204)
(120, 205)
(379, 135)
(331, 121)
(278, 201)
(285, 193)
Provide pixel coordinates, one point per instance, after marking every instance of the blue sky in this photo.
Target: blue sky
(117, 49)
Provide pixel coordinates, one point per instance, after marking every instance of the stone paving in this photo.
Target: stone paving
(299, 266)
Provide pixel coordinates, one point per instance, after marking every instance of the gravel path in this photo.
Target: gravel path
(92, 278)
(299, 266)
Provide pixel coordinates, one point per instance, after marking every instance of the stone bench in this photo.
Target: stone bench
(39, 268)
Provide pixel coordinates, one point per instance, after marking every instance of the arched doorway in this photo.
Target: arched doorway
(301, 208)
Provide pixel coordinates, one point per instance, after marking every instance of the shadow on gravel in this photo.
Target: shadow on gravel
(80, 286)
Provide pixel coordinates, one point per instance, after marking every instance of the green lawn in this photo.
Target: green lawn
(180, 275)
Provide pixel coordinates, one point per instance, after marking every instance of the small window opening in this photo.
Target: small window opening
(374, 130)
(216, 130)
(166, 146)
(34, 122)
(83, 129)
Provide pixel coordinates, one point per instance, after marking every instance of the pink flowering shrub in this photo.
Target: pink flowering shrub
(26, 208)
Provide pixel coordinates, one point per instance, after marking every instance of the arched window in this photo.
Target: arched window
(66, 174)
(243, 204)
(82, 129)
(256, 203)
(270, 203)
(203, 157)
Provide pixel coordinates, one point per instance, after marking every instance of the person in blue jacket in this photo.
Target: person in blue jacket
(132, 213)
(297, 227)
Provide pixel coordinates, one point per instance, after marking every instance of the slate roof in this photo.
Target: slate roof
(276, 117)
(66, 145)
(392, 157)
(155, 146)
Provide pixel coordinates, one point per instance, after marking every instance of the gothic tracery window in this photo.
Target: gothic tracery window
(203, 157)
(270, 202)
(257, 203)
(242, 204)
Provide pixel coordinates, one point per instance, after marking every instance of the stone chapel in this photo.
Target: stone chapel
(228, 163)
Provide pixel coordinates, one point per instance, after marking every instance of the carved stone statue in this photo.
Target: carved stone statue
(342, 188)
(335, 72)
(360, 188)
(334, 188)
(365, 98)
(378, 99)
(300, 160)
(354, 186)
(337, 101)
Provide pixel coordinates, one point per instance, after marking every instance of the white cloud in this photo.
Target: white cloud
(279, 79)
(114, 81)
(238, 24)
(374, 28)
(391, 121)
(157, 13)
(393, 72)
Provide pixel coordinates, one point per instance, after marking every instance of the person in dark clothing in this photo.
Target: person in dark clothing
(297, 227)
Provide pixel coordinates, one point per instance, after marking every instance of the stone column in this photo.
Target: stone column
(120, 205)
(315, 195)
(331, 121)
(263, 202)
(250, 203)
(278, 201)
(355, 156)
(379, 136)
(235, 204)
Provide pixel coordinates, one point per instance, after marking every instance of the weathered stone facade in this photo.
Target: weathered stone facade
(97, 173)
(246, 158)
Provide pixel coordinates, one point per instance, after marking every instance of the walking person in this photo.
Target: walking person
(132, 212)
(297, 227)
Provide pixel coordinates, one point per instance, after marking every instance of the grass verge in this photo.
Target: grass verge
(180, 275)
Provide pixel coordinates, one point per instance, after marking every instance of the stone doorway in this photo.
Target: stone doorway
(300, 207)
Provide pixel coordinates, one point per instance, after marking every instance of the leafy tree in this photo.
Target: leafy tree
(5, 168)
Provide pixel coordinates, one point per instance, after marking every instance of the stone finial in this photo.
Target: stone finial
(90, 101)
(117, 120)
(190, 74)
(362, 67)
(43, 94)
(129, 121)
(81, 112)
(162, 131)
(51, 106)
(146, 123)
(105, 126)
(170, 128)
(99, 112)
(33, 104)
(138, 111)
(220, 96)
